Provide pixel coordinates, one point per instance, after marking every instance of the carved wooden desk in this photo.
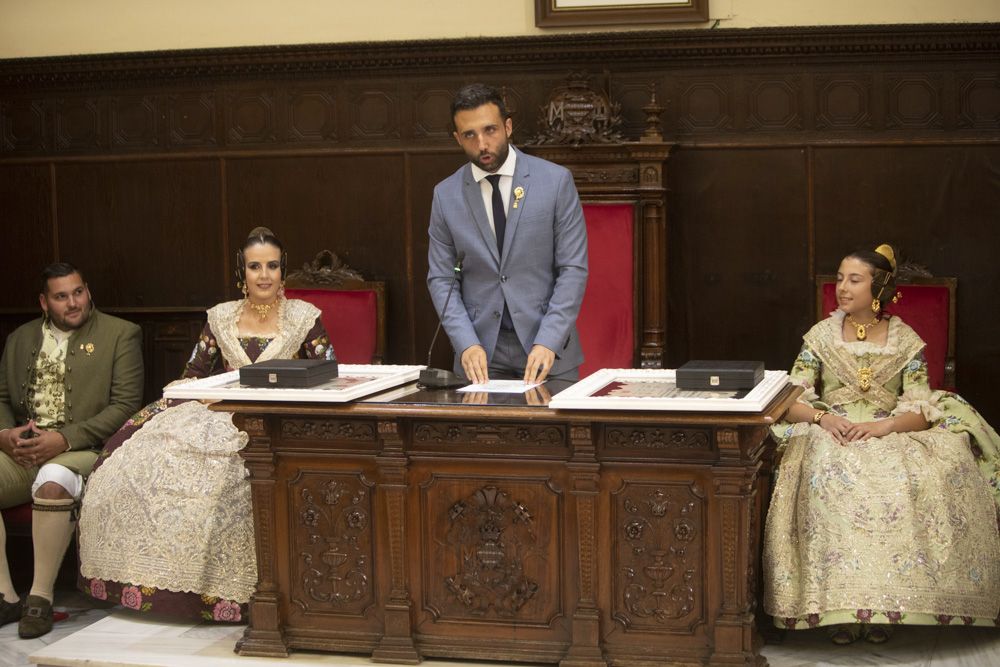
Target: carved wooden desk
(412, 529)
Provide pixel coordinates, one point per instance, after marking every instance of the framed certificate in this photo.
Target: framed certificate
(354, 381)
(554, 13)
(656, 389)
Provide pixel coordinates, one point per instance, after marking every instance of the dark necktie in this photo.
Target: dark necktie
(499, 215)
(500, 225)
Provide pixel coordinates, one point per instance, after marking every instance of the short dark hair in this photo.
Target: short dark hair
(476, 95)
(57, 270)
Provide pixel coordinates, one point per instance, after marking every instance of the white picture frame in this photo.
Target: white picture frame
(370, 379)
(591, 393)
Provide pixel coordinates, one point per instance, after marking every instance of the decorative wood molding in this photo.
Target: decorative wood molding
(652, 48)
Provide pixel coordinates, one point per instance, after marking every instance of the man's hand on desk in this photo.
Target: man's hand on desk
(474, 364)
(539, 364)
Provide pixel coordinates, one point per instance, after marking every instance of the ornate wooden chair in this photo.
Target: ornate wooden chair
(353, 309)
(622, 186)
(927, 305)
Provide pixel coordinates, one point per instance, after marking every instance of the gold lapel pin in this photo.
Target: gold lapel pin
(518, 195)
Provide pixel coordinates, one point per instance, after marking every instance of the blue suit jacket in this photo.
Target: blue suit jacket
(543, 274)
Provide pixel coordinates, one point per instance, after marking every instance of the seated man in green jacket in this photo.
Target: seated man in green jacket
(68, 380)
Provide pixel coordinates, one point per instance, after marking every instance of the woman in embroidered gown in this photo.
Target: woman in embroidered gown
(166, 523)
(885, 505)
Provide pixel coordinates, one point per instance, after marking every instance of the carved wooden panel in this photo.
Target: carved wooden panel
(331, 542)
(191, 120)
(705, 104)
(342, 430)
(915, 100)
(496, 546)
(844, 102)
(80, 124)
(374, 114)
(312, 115)
(22, 126)
(661, 443)
(135, 122)
(251, 118)
(774, 103)
(491, 434)
(432, 109)
(657, 568)
(979, 100)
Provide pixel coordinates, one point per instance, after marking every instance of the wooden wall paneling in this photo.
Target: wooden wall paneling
(24, 126)
(738, 287)
(143, 231)
(25, 214)
(352, 205)
(426, 170)
(937, 204)
(115, 125)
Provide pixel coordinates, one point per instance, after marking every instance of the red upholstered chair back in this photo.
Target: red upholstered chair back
(351, 318)
(607, 316)
(352, 308)
(928, 305)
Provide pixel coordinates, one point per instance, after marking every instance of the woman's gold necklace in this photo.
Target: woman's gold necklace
(861, 330)
(262, 309)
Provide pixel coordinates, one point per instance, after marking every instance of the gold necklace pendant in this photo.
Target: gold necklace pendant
(861, 330)
(262, 309)
(865, 378)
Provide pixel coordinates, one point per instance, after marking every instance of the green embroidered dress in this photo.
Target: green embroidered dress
(898, 529)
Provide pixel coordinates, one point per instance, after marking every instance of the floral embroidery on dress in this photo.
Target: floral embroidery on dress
(900, 517)
(184, 463)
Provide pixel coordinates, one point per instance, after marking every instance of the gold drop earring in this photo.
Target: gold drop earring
(243, 287)
(876, 306)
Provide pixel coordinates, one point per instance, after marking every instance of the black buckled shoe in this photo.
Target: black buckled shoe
(9, 611)
(36, 620)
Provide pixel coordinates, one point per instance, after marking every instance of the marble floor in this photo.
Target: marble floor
(114, 638)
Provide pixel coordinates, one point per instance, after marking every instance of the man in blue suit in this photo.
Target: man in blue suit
(516, 222)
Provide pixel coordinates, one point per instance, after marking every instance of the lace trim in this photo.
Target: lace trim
(171, 509)
(844, 359)
(295, 319)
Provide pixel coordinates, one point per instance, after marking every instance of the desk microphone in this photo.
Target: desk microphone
(437, 378)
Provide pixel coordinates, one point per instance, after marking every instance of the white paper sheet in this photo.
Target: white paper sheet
(501, 387)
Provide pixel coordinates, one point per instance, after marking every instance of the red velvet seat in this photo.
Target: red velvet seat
(607, 317)
(928, 305)
(351, 320)
(352, 308)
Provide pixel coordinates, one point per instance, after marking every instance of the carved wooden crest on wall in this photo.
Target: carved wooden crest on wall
(577, 114)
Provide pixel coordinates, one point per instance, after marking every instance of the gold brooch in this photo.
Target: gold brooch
(518, 195)
(88, 348)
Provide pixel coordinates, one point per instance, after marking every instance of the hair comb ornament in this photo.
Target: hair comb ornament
(886, 251)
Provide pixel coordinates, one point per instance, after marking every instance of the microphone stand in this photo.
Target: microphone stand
(438, 378)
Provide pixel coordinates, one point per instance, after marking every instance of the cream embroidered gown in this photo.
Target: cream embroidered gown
(166, 523)
(898, 529)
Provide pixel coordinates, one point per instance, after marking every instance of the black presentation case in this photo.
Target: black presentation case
(710, 375)
(298, 373)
